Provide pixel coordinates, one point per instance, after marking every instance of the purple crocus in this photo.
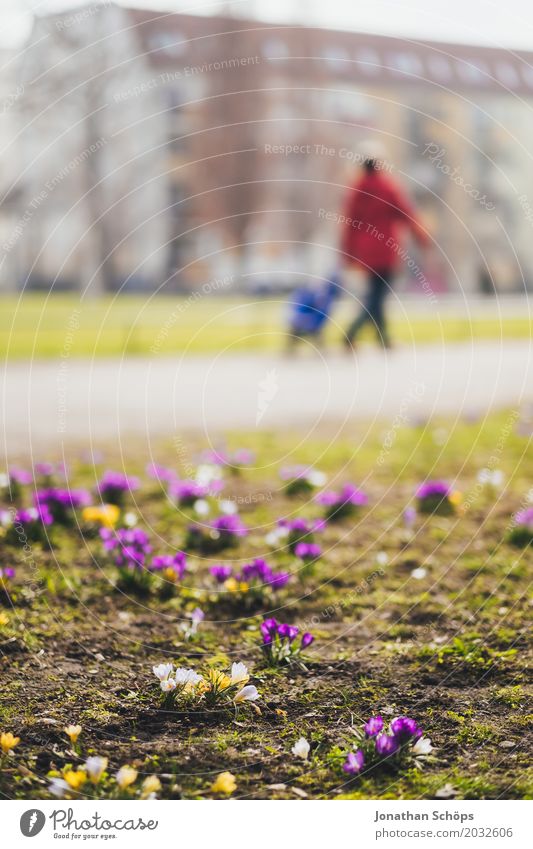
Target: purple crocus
(386, 745)
(354, 762)
(433, 489)
(374, 726)
(186, 492)
(217, 457)
(342, 503)
(278, 580)
(328, 498)
(279, 641)
(242, 457)
(307, 639)
(59, 503)
(524, 518)
(45, 470)
(307, 551)
(131, 546)
(160, 473)
(289, 632)
(259, 571)
(173, 566)
(34, 514)
(351, 494)
(220, 573)
(298, 524)
(269, 630)
(20, 476)
(230, 525)
(6, 573)
(114, 486)
(403, 728)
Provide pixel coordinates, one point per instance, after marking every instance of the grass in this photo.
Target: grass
(39, 326)
(451, 649)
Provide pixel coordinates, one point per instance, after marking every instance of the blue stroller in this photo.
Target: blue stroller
(309, 310)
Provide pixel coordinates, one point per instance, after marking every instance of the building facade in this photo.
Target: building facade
(159, 151)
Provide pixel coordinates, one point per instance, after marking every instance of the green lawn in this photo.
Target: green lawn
(40, 326)
(432, 622)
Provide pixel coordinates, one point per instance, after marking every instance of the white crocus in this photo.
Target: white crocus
(423, 746)
(95, 768)
(167, 685)
(162, 670)
(274, 537)
(187, 676)
(130, 519)
(206, 474)
(491, 477)
(301, 749)
(239, 673)
(247, 694)
(316, 477)
(58, 787)
(201, 507)
(228, 507)
(418, 574)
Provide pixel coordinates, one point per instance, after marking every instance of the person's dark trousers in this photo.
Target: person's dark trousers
(374, 307)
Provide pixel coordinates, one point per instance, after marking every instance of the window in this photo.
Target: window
(275, 48)
(171, 43)
(439, 68)
(507, 74)
(369, 61)
(336, 57)
(473, 72)
(527, 74)
(406, 63)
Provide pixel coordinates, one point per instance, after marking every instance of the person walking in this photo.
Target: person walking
(376, 212)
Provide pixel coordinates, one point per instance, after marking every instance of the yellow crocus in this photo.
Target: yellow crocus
(224, 783)
(106, 515)
(232, 585)
(150, 785)
(170, 575)
(75, 778)
(8, 741)
(126, 776)
(218, 680)
(455, 498)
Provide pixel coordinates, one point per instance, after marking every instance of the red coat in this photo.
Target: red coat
(376, 213)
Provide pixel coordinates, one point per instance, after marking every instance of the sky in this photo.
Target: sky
(470, 21)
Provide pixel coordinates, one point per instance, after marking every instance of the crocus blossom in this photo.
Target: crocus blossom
(344, 502)
(373, 726)
(247, 694)
(115, 486)
(386, 745)
(279, 641)
(354, 762)
(301, 749)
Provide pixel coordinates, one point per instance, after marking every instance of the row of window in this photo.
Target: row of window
(373, 63)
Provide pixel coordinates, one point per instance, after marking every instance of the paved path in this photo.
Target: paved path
(48, 403)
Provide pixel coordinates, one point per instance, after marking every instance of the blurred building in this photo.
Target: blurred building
(162, 151)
